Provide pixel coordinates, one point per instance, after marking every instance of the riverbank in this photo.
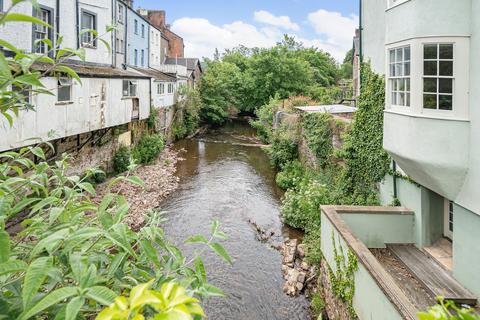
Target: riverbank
(160, 181)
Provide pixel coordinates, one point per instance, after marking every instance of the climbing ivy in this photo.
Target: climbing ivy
(343, 279)
(366, 160)
(317, 131)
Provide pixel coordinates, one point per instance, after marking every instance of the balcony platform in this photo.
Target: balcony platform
(434, 278)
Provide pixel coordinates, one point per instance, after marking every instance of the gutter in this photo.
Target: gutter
(57, 20)
(114, 33)
(77, 24)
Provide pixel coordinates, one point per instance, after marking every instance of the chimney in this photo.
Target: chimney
(142, 12)
(130, 3)
(157, 18)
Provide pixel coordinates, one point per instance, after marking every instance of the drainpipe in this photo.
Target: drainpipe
(125, 38)
(394, 179)
(114, 33)
(77, 23)
(57, 20)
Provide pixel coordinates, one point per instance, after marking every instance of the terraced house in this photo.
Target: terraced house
(118, 88)
(428, 52)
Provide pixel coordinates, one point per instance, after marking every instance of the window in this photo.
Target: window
(160, 88)
(438, 76)
(135, 57)
(119, 45)
(1, 5)
(143, 58)
(23, 93)
(120, 11)
(170, 88)
(41, 32)
(129, 88)
(64, 90)
(143, 31)
(88, 23)
(399, 76)
(135, 28)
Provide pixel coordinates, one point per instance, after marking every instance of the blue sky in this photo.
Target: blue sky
(209, 24)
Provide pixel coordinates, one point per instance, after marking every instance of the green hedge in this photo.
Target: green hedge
(148, 148)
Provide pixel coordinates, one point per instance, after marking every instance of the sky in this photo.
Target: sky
(209, 24)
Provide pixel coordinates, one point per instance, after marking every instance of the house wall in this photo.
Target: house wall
(164, 49)
(136, 41)
(373, 33)
(155, 48)
(96, 104)
(162, 100)
(466, 249)
(120, 33)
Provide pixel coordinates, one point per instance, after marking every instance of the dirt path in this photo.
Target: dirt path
(160, 181)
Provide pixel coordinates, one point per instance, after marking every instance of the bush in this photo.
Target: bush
(318, 134)
(152, 118)
(94, 176)
(317, 305)
(121, 160)
(148, 148)
(284, 148)
(264, 122)
(313, 252)
(301, 208)
(291, 175)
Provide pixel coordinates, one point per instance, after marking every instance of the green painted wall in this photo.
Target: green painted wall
(466, 248)
(376, 230)
(369, 300)
(427, 205)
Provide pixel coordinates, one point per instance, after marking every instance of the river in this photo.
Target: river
(224, 178)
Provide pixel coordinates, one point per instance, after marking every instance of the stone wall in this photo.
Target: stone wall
(335, 308)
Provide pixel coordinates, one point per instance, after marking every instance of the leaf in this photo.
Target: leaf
(73, 307)
(151, 252)
(196, 239)
(200, 269)
(102, 295)
(18, 17)
(220, 250)
(69, 72)
(34, 278)
(30, 79)
(50, 300)
(12, 266)
(136, 180)
(87, 187)
(213, 291)
(4, 246)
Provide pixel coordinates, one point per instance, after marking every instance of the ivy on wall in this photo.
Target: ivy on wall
(318, 133)
(366, 160)
(343, 279)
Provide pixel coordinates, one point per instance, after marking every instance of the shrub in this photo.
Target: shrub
(94, 176)
(148, 148)
(121, 160)
(313, 252)
(264, 122)
(301, 208)
(152, 118)
(291, 175)
(284, 147)
(318, 134)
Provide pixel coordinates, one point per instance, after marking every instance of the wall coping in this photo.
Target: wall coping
(385, 282)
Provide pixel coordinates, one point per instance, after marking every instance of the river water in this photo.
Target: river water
(224, 178)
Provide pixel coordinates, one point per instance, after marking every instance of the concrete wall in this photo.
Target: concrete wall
(377, 230)
(120, 33)
(136, 41)
(466, 248)
(96, 104)
(373, 33)
(155, 48)
(369, 301)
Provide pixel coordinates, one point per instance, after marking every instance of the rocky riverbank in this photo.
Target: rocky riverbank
(160, 181)
(300, 277)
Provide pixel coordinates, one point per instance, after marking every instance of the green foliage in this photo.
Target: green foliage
(346, 69)
(343, 278)
(313, 252)
(264, 122)
(121, 160)
(284, 147)
(95, 177)
(170, 302)
(152, 118)
(317, 131)
(317, 305)
(219, 91)
(148, 148)
(447, 310)
(292, 175)
(188, 117)
(366, 161)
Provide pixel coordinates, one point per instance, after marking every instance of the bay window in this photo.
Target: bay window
(438, 76)
(399, 76)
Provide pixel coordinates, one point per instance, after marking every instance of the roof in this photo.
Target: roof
(95, 71)
(190, 63)
(157, 75)
(333, 109)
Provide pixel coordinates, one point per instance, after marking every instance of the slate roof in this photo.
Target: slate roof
(157, 75)
(95, 71)
(333, 109)
(190, 63)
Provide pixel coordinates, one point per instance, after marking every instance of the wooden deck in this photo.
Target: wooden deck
(437, 280)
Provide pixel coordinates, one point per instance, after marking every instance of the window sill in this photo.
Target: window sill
(88, 46)
(63, 103)
(424, 116)
(129, 98)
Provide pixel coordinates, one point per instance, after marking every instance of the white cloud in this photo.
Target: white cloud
(283, 22)
(336, 30)
(334, 34)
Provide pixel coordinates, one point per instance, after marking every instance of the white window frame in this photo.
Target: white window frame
(87, 39)
(120, 13)
(129, 88)
(41, 32)
(399, 79)
(461, 74)
(171, 88)
(438, 60)
(63, 83)
(161, 88)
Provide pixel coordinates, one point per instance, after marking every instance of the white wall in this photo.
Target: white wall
(373, 34)
(155, 47)
(96, 104)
